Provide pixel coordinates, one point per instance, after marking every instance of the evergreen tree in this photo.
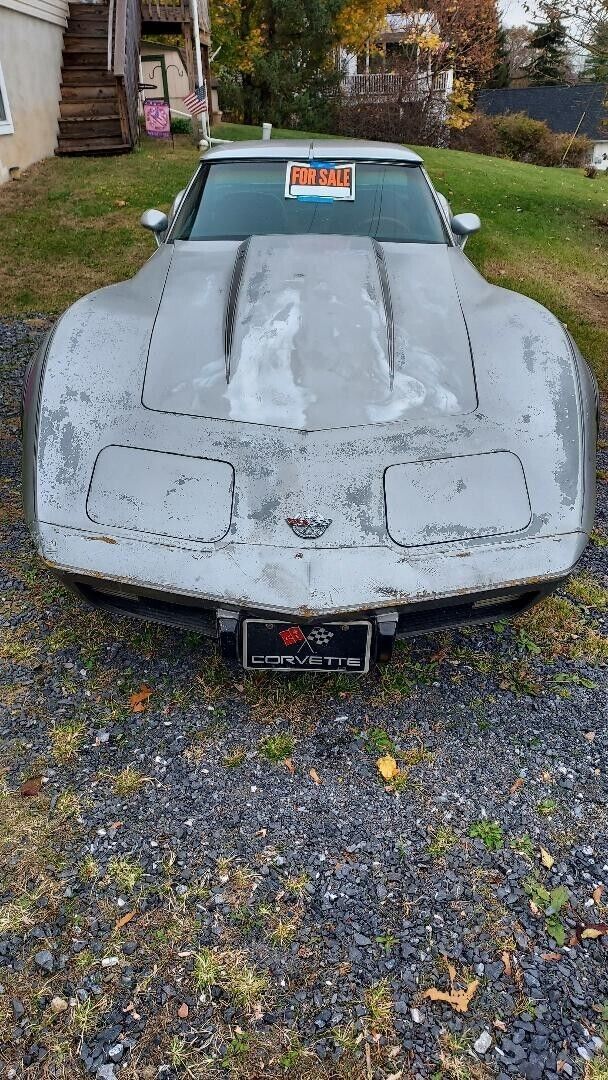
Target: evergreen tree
(548, 62)
(596, 63)
(501, 74)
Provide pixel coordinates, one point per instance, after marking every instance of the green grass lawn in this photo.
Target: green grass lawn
(71, 225)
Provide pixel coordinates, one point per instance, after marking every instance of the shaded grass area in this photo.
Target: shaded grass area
(71, 225)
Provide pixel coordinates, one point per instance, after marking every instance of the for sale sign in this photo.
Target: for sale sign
(316, 180)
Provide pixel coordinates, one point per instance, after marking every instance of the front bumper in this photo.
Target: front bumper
(416, 589)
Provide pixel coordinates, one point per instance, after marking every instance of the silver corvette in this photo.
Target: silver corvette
(308, 425)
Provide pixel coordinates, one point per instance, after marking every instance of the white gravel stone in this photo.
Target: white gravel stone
(483, 1043)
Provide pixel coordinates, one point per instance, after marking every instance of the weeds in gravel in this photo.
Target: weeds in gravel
(282, 932)
(489, 832)
(88, 869)
(128, 782)
(207, 969)
(378, 1001)
(378, 742)
(546, 807)
(297, 884)
(31, 845)
(457, 1061)
(443, 840)
(588, 591)
(277, 747)
(125, 873)
(523, 846)
(66, 740)
(598, 1068)
(228, 969)
(557, 627)
(234, 757)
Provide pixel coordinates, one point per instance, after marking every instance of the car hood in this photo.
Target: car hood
(310, 332)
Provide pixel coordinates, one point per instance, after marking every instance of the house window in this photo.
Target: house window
(6, 123)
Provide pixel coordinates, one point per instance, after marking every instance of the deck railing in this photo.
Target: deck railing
(380, 85)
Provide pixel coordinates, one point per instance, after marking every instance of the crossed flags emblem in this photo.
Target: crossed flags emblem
(318, 636)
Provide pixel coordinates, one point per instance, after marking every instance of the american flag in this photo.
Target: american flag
(197, 102)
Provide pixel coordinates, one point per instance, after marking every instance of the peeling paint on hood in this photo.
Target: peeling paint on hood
(310, 334)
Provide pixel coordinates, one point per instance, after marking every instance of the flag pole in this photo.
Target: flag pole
(200, 78)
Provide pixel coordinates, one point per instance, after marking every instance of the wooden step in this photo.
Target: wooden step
(87, 32)
(89, 11)
(74, 76)
(82, 95)
(106, 109)
(97, 58)
(91, 147)
(87, 47)
(75, 128)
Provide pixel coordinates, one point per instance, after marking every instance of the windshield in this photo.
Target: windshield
(231, 200)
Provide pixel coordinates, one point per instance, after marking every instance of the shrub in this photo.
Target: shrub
(524, 139)
(396, 120)
(479, 137)
(579, 152)
(180, 125)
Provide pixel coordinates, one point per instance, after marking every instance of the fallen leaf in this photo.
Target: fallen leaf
(551, 956)
(516, 786)
(534, 908)
(458, 999)
(506, 959)
(590, 736)
(314, 776)
(126, 918)
(120, 202)
(597, 894)
(257, 1012)
(595, 931)
(546, 776)
(289, 765)
(130, 1008)
(500, 1025)
(139, 700)
(183, 1011)
(387, 767)
(546, 858)
(31, 786)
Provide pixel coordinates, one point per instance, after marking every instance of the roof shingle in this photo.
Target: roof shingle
(561, 107)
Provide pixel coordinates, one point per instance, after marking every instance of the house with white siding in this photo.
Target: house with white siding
(29, 91)
(71, 73)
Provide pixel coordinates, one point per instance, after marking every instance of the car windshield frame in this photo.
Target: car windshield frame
(189, 208)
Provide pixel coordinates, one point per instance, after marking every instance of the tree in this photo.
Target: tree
(548, 62)
(500, 76)
(279, 55)
(518, 49)
(468, 30)
(596, 62)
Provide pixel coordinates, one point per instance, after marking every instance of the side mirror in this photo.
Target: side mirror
(156, 222)
(462, 225)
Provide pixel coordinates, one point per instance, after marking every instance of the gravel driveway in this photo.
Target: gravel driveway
(204, 873)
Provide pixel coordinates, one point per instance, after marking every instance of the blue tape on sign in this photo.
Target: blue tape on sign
(315, 198)
(314, 164)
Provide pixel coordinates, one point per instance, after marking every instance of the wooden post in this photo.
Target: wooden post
(207, 71)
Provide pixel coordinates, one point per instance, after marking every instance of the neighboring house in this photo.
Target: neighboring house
(164, 70)
(378, 72)
(31, 45)
(70, 73)
(580, 109)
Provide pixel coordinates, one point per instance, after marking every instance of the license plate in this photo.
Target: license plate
(286, 646)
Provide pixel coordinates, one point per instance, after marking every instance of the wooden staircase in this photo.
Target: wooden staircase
(98, 108)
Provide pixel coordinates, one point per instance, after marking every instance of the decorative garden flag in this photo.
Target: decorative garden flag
(157, 115)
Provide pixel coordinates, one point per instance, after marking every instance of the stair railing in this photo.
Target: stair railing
(124, 32)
